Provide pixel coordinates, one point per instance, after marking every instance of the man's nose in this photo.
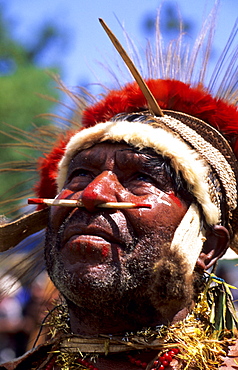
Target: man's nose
(104, 188)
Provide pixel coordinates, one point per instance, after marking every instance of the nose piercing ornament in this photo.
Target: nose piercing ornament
(79, 203)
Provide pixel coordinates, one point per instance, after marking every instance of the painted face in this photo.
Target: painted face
(99, 252)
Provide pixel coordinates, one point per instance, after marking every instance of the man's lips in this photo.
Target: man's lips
(92, 245)
(87, 248)
(92, 233)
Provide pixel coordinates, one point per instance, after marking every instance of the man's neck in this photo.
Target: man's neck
(90, 323)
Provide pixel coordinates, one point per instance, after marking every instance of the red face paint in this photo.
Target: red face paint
(105, 251)
(175, 199)
(64, 194)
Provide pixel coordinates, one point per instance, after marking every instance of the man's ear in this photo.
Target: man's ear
(216, 244)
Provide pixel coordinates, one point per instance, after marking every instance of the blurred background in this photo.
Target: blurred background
(67, 34)
(38, 38)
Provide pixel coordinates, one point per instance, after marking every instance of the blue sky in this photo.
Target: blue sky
(87, 41)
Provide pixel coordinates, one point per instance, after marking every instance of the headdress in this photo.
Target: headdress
(194, 126)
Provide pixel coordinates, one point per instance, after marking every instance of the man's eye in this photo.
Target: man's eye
(79, 175)
(143, 177)
(79, 172)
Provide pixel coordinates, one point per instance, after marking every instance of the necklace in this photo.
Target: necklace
(160, 363)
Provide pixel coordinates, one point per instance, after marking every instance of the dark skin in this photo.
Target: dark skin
(102, 260)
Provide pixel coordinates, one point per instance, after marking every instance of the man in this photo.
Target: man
(157, 207)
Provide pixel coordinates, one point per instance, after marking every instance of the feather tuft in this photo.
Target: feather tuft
(171, 95)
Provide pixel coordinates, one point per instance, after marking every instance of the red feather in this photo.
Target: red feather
(172, 95)
(48, 169)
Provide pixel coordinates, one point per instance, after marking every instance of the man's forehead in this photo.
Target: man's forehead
(122, 152)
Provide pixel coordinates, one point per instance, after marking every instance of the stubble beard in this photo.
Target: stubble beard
(139, 284)
(109, 289)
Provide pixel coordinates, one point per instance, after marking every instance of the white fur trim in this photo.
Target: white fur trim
(189, 237)
(141, 135)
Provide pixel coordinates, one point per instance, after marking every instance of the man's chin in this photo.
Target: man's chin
(89, 286)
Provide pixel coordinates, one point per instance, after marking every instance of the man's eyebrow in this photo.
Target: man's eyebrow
(151, 161)
(145, 152)
(90, 157)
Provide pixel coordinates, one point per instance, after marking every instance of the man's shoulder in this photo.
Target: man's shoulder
(31, 359)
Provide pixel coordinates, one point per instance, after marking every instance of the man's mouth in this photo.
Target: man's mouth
(91, 232)
(87, 249)
(91, 244)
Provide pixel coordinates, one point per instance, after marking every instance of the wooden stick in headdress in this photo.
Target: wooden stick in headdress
(152, 103)
(14, 232)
